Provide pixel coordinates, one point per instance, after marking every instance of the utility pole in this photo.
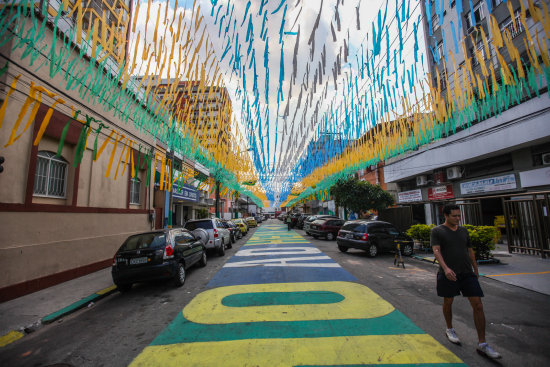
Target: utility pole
(217, 199)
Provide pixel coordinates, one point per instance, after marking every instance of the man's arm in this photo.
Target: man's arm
(449, 273)
(473, 260)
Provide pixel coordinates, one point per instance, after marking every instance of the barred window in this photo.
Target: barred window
(50, 179)
(135, 186)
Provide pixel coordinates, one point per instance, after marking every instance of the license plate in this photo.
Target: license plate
(138, 260)
(349, 235)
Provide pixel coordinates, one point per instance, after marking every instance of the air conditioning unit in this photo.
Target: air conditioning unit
(421, 180)
(454, 172)
(546, 158)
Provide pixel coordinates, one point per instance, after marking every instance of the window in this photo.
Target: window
(496, 3)
(435, 22)
(478, 16)
(513, 29)
(135, 189)
(440, 52)
(50, 179)
(453, 3)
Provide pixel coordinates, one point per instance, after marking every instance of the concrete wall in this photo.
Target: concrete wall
(515, 128)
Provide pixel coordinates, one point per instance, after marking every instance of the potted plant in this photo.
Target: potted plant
(420, 233)
(483, 240)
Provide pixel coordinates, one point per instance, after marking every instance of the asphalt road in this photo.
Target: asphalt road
(119, 327)
(116, 329)
(518, 325)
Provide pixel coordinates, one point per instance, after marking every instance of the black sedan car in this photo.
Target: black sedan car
(373, 237)
(156, 255)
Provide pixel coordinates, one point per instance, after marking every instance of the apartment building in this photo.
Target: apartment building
(494, 164)
(77, 177)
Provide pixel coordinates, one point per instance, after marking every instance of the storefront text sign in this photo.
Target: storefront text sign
(441, 192)
(506, 182)
(185, 192)
(410, 196)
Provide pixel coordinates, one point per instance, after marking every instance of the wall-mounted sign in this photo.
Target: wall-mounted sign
(506, 182)
(441, 192)
(536, 177)
(185, 192)
(410, 196)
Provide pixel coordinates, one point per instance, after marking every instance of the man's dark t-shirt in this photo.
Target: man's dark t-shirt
(454, 248)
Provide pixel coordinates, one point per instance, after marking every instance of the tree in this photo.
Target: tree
(358, 196)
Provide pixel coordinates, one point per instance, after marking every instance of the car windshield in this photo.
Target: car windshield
(204, 224)
(145, 240)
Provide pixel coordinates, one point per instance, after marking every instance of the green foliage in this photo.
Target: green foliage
(483, 239)
(420, 232)
(357, 196)
(202, 213)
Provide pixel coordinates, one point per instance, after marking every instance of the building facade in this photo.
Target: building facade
(502, 157)
(76, 179)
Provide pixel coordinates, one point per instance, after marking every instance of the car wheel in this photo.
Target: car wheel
(229, 245)
(342, 248)
(233, 240)
(221, 249)
(124, 287)
(372, 250)
(179, 277)
(330, 236)
(406, 249)
(309, 234)
(203, 259)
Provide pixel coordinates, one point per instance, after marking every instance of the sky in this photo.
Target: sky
(301, 72)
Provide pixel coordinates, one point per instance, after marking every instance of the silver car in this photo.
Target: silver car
(218, 237)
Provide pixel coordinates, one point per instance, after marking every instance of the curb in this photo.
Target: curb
(16, 335)
(78, 305)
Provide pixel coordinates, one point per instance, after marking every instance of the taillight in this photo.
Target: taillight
(339, 233)
(364, 237)
(168, 252)
(114, 260)
(215, 233)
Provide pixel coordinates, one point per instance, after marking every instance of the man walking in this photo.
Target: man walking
(457, 274)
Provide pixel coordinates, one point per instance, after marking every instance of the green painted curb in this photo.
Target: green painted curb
(78, 305)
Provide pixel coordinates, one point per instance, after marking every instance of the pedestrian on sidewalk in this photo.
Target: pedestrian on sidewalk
(458, 273)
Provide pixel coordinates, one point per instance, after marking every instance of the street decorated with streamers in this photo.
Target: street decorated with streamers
(279, 301)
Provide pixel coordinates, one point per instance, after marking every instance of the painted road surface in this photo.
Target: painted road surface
(279, 301)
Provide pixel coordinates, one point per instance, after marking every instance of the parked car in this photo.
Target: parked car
(312, 218)
(374, 237)
(326, 227)
(218, 236)
(234, 230)
(242, 225)
(300, 221)
(258, 218)
(156, 255)
(251, 221)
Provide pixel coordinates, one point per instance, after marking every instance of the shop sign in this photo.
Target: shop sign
(506, 182)
(536, 177)
(185, 192)
(441, 192)
(410, 196)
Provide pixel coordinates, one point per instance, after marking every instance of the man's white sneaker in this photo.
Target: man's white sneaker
(451, 335)
(485, 349)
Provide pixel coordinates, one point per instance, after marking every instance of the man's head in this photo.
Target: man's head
(452, 214)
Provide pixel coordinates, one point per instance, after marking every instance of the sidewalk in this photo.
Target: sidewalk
(28, 313)
(525, 271)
